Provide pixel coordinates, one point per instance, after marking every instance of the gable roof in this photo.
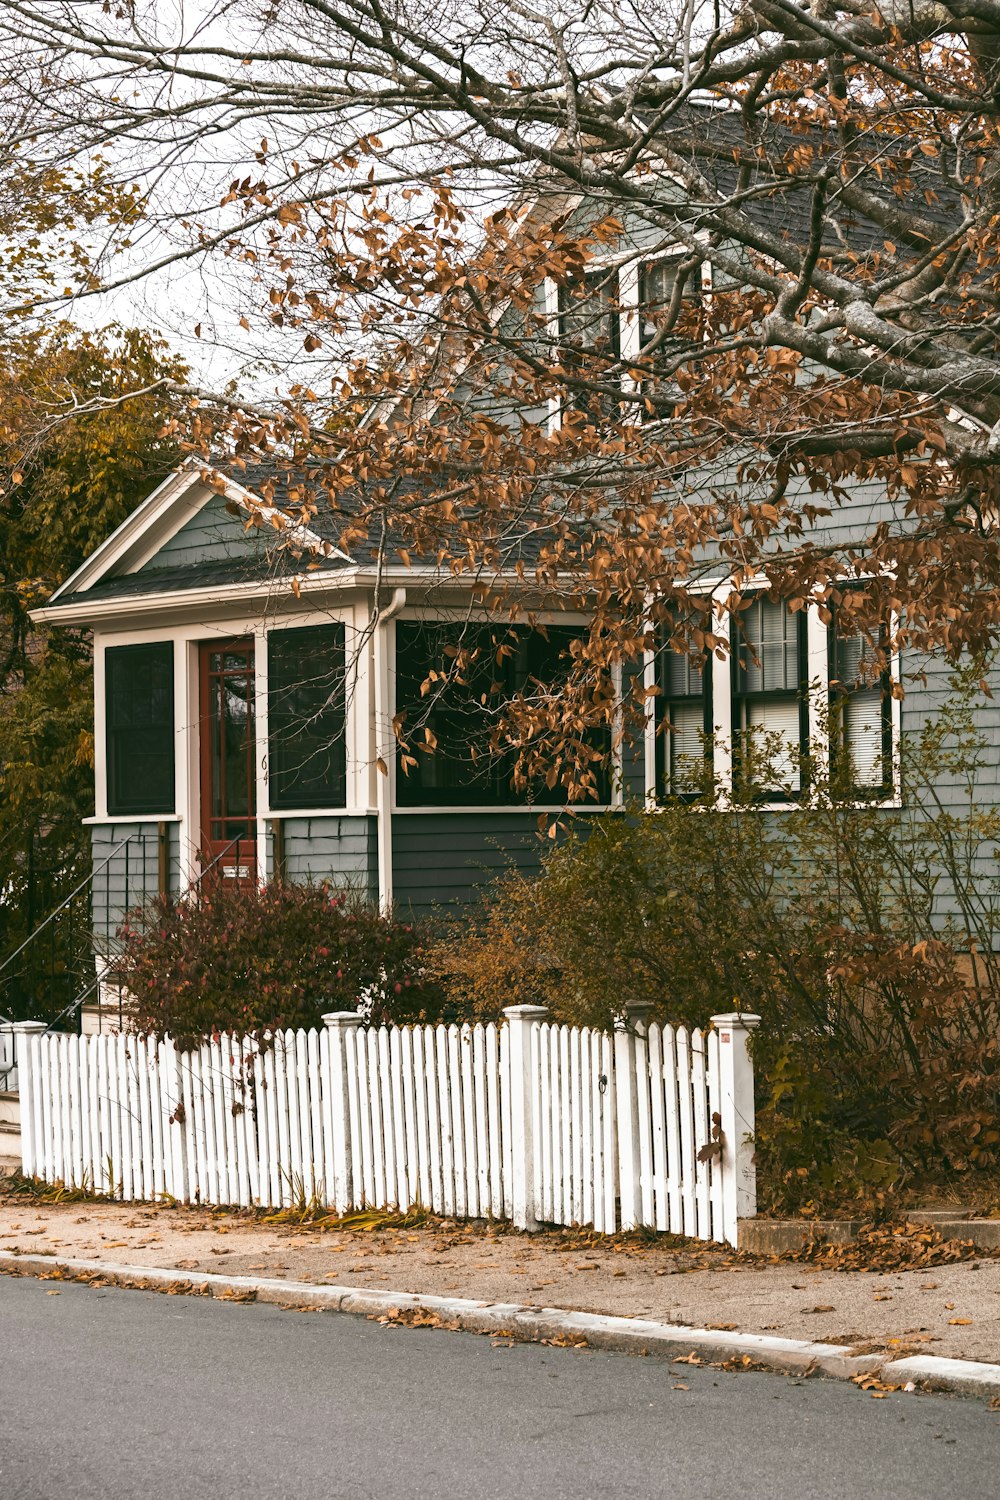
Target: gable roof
(126, 563)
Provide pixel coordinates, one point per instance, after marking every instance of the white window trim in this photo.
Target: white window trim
(629, 269)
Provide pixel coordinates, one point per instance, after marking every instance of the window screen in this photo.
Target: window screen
(307, 747)
(139, 702)
(770, 710)
(463, 706)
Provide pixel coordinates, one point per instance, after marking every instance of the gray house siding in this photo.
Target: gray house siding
(339, 849)
(444, 859)
(213, 535)
(126, 864)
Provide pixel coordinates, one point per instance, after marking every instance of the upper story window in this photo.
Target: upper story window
(683, 723)
(770, 700)
(860, 714)
(307, 721)
(139, 722)
(589, 335)
(615, 319)
(470, 673)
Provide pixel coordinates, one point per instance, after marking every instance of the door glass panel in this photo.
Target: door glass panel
(232, 778)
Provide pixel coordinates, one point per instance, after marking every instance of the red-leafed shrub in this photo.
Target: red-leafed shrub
(281, 955)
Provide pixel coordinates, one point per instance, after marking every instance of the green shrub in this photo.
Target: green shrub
(281, 955)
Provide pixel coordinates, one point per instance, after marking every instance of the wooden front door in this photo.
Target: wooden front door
(228, 762)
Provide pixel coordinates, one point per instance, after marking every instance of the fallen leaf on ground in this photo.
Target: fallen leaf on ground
(963, 1321)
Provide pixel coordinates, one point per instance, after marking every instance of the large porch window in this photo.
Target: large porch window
(471, 672)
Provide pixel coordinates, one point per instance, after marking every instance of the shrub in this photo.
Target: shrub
(280, 955)
(867, 938)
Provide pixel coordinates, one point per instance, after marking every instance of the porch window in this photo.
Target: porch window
(307, 724)
(770, 700)
(472, 673)
(683, 723)
(139, 720)
(860, 716)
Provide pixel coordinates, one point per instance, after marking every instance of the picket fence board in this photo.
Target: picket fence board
(391, 1117)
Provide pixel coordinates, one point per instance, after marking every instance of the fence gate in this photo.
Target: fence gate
(529, 1121)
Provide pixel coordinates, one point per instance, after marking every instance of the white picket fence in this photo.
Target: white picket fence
(529, 1121)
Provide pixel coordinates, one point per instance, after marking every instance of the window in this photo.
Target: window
(683, 723)
(860, 715)
(463, 705)
(139, 718)
(307, 749)
(770, 702)
(657, 280)
(589, 335)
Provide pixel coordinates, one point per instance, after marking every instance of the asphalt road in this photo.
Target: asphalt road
(119, 1395)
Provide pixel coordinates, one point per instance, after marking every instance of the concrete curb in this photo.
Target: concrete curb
(527, 1324)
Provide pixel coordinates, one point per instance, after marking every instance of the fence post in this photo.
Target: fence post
(338, 1023)
(736, 1102)
(523, 1094)
(22, 1032)
(635, 1022)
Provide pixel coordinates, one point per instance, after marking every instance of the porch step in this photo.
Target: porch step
(10, 1146)
(10, 1110)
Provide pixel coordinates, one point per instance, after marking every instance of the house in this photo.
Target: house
(249, 673)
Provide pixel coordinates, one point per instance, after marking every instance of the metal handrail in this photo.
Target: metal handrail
(221, 855)
(87, 880)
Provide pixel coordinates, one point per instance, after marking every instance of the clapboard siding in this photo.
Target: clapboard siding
(449, 858)
(126, 872)
(339, 849)
(213, 535)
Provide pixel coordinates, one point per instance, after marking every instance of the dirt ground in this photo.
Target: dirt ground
(950, 1310)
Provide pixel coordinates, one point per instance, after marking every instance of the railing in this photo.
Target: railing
(8, 1058)
(52, 972)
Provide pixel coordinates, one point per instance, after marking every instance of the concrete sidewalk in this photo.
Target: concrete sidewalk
(948, 1310)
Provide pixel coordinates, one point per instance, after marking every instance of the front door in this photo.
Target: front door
(228, 762)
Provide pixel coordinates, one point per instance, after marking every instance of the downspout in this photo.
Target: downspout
(385, 746)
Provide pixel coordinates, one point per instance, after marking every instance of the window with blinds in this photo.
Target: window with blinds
(307, 721)
(684, 723)
(860, 716)
(770, 701)
(139, 721)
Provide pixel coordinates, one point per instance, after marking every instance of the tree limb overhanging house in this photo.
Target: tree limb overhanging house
(291, 690)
